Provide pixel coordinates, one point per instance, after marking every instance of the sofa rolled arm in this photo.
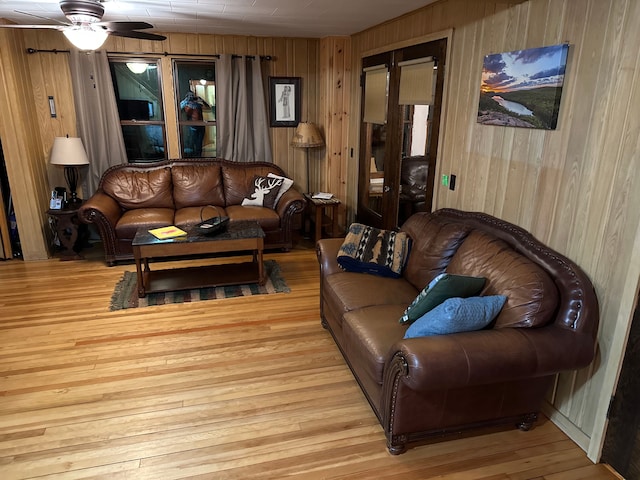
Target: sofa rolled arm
(290, 203)
(100, 208)
(104, 212)
(327, 252)
(488, 356)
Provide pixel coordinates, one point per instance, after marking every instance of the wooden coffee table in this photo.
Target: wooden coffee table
(238, 237)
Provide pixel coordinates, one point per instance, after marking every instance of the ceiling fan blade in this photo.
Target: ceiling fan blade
(55, 27)
(41, 17)
(140, 35)
(124, 26)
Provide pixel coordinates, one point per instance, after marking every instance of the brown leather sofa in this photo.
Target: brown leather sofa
(174, 192)
(421, 387)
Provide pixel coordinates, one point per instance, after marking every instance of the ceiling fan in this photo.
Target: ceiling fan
(85, 28)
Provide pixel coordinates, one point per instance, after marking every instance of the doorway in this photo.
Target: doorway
(400, 123)
(621, 447)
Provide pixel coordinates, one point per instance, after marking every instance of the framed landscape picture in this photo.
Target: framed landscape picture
(284, 93)
(523, 88)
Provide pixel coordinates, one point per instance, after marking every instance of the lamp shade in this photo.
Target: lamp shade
(68, 151)
(307, 135)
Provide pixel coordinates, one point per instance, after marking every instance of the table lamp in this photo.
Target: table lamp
(70, 153)
(307, 136)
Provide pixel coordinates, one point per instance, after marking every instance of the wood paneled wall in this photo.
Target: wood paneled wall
(22, 145)
(34, 77)
(576, 188)
(335, 75)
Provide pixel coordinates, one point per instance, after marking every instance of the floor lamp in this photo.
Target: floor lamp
(307, 136)
(70, 153)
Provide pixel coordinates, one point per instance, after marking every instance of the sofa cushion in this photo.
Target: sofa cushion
(148, 218)
(435, 240)
(264, 192)
(532, 294)
(267, 218)
(368, 337)
(238, 180)
(140, 188)
(354, 290)
(193, 215)
(371, 250)
(457, 315)
(441, 288)
(197, 185)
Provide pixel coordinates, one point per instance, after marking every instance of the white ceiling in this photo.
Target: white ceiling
(280, 18)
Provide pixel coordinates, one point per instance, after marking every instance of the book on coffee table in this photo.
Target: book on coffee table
(167, 232)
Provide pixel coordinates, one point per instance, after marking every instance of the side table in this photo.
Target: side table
(318, 212)
(67, 227)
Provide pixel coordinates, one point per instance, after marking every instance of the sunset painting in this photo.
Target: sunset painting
(523, 88)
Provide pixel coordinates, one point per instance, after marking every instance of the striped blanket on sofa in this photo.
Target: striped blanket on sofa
(371, 250)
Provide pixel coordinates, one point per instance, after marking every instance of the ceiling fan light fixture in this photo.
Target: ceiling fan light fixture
(137, 67)
(85, 37)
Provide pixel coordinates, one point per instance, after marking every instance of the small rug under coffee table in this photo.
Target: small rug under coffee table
(125, 294)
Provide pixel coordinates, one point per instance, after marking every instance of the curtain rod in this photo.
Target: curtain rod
(164, 54)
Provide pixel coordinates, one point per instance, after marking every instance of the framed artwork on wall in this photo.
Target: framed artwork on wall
(285, 106)
(523, 88)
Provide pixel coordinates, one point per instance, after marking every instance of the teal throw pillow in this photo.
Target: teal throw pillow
(442, 287)
(457, 315)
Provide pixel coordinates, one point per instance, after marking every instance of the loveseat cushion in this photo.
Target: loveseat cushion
(149, 218)
(532, 297)
(368, 335)
(197, 185)
(140, 188)
(353, 290)
(435, 240)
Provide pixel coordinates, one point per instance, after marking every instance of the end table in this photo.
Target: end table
(67, 227)
(317, 212)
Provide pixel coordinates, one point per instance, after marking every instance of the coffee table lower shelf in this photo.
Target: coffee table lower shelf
(188, 278)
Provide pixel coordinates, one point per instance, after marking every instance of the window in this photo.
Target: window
(196, 105)
(138, 94)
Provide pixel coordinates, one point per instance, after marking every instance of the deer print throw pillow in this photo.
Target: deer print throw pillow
(264, 192)
(287, 183)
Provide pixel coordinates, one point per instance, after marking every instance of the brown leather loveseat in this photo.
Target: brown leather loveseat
(432, 385)
(174, 192)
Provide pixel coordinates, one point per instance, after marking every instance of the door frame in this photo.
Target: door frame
(366, 215)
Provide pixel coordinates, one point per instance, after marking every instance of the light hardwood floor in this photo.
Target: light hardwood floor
(225, 389)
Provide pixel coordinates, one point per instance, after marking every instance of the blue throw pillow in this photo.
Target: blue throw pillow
(442, 287)
(457, 315)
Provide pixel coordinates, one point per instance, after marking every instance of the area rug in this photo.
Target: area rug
(125, 294)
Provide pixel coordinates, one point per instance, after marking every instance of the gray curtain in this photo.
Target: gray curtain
(98, 122)
(241, 112)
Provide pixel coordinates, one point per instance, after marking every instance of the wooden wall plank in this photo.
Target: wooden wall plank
(22, 146)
